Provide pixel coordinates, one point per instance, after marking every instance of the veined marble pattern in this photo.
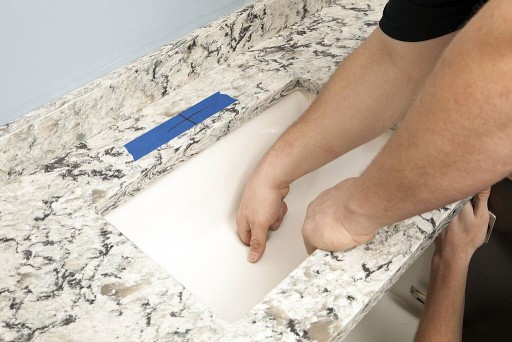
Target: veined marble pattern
(69, 275)
(46, 133)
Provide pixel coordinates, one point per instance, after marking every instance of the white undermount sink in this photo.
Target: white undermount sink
(185, 221)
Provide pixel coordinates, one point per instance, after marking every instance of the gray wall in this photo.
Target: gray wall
(48, 48)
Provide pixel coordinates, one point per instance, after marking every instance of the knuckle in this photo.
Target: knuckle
(305, 230)
(257, 244)
(483, 195)
(254, 224)
(238, 220)
(275, 226)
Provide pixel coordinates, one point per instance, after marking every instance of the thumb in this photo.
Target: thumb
(480, 200)
(257, 244)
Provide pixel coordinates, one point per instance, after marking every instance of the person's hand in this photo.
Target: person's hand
(466, 232)
(328, 225)
(262, 208)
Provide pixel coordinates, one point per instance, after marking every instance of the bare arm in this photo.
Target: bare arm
(455, 141)
(444, 310)
(358, 103)
(441, 320)
(457, 138)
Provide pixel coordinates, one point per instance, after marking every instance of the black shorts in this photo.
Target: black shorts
(418, 20)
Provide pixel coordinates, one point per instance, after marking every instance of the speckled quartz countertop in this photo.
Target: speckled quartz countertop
(68, 275)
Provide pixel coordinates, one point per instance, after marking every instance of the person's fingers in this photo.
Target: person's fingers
(439, 239)
(309, 247)
(479, 202)
(465, 215)
(244, 231)
(257, 243)
(284, 208)
(482, 214)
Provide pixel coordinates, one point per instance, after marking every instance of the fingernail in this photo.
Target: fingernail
(252, 257)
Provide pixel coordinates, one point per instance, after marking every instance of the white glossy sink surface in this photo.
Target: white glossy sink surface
(185, 221)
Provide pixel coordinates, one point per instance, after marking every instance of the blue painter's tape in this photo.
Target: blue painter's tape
(158, 136)
(208, 107)
(165, 132)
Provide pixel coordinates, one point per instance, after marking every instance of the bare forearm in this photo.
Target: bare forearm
(457, 137)
(442, 317)
(443, 314)
(357, 104)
